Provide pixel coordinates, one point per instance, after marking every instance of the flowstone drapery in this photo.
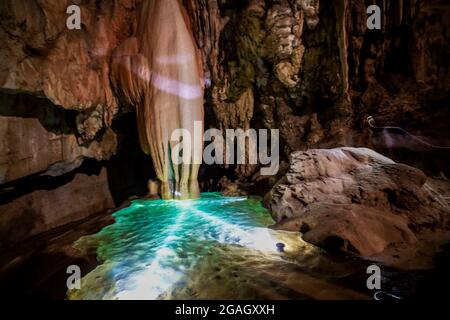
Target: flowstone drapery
(158, 71)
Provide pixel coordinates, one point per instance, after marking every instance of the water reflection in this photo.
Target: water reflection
(204, 248)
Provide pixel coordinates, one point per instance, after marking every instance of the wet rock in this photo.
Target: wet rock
(280, 247)
(355, 200)
(230, 188)
(42, 210)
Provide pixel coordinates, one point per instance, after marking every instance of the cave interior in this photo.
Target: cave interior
(88, 175)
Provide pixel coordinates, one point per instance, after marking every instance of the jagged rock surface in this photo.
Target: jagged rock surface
(316, 73)
(41, 55)
(70, 68)
(38, 138)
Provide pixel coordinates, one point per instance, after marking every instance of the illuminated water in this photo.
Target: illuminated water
(203, 248)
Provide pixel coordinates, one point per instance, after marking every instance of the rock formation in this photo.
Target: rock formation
(158, 71)
(38, 138)
(307, 67)
(355, 200)
(315, 71)
(56, 112)
(46, 209)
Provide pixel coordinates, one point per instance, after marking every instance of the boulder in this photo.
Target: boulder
(355, 200)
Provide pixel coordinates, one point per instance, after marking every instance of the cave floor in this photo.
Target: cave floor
(211, 248)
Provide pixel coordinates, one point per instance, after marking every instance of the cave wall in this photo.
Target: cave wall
(57, 104)
(42, 56)
(53, 204)
(40, 138)
(309, 68)
(317, 73)
(400, 76)
(57, 116)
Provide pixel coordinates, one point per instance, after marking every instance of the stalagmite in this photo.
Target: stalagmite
(159, 72)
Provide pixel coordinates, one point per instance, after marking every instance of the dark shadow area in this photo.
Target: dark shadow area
(41, 277)
(429, 124)
(15, 189)
(37, 268)
(53, 118)
(210, 175)
(25, 221)
(130, 168)
(413, 285)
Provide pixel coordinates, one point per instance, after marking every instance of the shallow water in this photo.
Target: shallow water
(209, 248)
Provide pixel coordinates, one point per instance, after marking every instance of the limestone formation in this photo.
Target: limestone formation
(39, 139)
(300, 58)
(44, 210)
(310, 68)
(158, 72)
(355, 200)
(70, 68)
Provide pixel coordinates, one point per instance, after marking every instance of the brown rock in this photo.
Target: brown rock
(43, 210)
(355, 200)
(37, 138)
(40, 55)
(230, 188)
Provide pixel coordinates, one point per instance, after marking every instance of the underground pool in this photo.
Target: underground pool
(213, 247)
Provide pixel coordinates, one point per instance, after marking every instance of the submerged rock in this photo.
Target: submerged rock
(280, 247)
(355, 200)
(230, 188)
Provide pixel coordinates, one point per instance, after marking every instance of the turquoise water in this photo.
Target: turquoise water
(153, 244)
(209, 248)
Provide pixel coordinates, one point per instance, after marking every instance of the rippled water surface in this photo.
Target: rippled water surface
(211, 248)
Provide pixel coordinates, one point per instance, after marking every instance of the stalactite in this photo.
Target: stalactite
(311, 10)
(341, 23)
(159, 72)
